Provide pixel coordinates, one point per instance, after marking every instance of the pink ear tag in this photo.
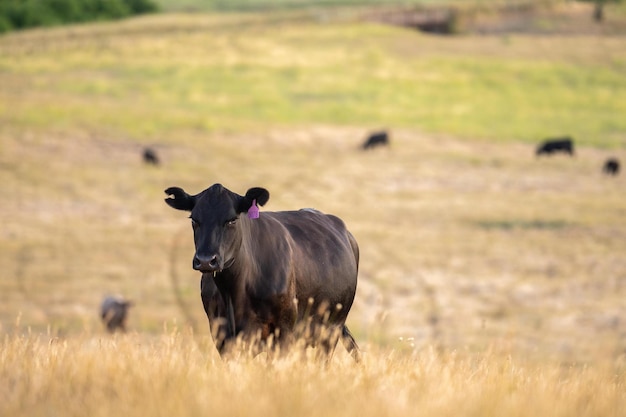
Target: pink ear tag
(253, 211)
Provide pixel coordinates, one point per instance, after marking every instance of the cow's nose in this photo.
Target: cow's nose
(209, 264)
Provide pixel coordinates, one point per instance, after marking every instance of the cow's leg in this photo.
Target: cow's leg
(281, 329)
(326, 338)
(215, 310)
(350, 344)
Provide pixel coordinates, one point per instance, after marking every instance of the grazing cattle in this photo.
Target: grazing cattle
(376, 139)
(114, 311)
(550, 146)
(270, 279)
(611, 166)
(150, 156)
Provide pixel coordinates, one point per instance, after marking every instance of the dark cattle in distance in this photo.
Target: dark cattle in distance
(376, 139)
(150, 156)
(274, 277)
(550, 146)
(114, 312)
(611, 166)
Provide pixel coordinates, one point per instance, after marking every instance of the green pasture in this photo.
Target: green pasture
(240, 74)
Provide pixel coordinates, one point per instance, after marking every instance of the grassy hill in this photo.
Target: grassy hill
(481, 265)
(243, 73)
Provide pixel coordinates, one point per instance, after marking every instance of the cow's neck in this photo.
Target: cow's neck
(225, 282)
(231, 290)
(232, 282)
(246, 248)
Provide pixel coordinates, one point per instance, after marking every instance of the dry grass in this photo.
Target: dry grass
(463, 244)
(172, 374)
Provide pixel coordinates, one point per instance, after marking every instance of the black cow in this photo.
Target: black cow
(114, 311)
(271, 278)
(150, 156)
(376, 139)
(611, 166)
(550, 146)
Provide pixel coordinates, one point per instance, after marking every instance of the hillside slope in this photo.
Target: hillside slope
(466, 238)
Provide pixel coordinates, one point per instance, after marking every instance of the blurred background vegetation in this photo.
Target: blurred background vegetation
(467, 239)
(23, 14)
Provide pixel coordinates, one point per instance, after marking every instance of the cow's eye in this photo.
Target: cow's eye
(194, 224)
(231, 222)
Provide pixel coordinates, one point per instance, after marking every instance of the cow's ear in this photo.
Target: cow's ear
(179, 199)
(261, 195)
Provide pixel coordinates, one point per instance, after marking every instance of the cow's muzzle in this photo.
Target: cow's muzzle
(211, 264)
(207, 264)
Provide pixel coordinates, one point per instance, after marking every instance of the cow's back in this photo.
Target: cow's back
(549, 146)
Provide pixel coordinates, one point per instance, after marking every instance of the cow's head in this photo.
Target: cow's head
(215, 214)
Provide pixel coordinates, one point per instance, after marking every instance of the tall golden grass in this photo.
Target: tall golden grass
(173, 374)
